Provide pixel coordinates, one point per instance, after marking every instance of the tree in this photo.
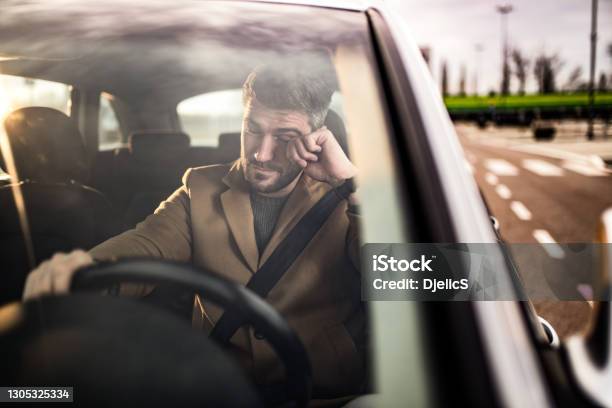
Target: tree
(545, 69)
(574, 82)
(462, 79)
(602, 85)
(521, 65)
(444, 80)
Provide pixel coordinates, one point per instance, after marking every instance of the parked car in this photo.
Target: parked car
(133, 94)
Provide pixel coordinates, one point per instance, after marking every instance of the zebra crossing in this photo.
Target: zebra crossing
(534, 192)
(498, 169)
(501, 167)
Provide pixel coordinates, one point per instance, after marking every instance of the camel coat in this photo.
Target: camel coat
(209, 222)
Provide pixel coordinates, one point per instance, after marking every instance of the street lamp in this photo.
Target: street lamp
(590, 135)
(504, 10)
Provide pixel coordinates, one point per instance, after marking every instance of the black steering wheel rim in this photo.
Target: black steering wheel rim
(220, 291)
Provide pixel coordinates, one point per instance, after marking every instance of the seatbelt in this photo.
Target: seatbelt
(283, 256)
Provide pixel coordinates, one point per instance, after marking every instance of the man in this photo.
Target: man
(230, 218)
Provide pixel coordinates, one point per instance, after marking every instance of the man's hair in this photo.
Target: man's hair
(301, 84)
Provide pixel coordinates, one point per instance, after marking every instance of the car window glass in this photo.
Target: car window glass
(109, 132)
(204, 117)
(20, 92)
(195, 75)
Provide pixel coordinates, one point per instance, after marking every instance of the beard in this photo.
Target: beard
(257, 181)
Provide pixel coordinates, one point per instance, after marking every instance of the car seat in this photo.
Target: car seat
(51, 174)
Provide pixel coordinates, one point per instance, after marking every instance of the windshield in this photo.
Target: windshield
(202, 134)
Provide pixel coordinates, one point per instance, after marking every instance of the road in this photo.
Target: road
(541, 193)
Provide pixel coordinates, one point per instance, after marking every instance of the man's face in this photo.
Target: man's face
(265, 133)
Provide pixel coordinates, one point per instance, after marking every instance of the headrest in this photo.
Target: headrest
(158, 145)
(46, 146)
(230, 142)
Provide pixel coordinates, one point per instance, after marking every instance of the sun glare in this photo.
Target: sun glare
(5, 103)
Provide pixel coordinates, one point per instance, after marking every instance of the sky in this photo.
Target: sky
(453, 28)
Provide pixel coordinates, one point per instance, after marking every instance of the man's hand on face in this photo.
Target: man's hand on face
(54, 275)
(321, 157)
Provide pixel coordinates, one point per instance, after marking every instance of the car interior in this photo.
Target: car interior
(73, 202)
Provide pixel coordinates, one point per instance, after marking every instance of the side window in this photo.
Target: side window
(109, 132)
(204, 117)
(20, 92)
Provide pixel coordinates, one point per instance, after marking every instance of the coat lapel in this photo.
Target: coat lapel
(306, 193)
(236, 204)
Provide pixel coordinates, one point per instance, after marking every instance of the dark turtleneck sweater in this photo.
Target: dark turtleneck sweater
(265, 214)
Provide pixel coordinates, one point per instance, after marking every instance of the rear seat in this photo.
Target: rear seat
(138, 177)
(229, 147)
(148, 171)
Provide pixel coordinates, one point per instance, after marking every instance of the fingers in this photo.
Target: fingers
(303, 152)
(32, 282)
(38, 281)
(297, 152)
(62, 275)
(54, 276)
(310, 141)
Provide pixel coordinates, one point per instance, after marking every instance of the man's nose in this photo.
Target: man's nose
(265, 152)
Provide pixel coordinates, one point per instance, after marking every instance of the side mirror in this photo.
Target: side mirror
(590, 356)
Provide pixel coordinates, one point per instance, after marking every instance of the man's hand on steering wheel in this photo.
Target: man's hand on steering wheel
(54, 275)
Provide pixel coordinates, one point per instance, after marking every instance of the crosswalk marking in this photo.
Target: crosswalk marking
(491, 179)
(503, 191)
(549, 244)
(501, 167)
(584, 169)
(520, 210)
(542, 168)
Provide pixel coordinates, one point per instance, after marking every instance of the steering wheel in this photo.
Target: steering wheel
(183, 346)
(231, 296)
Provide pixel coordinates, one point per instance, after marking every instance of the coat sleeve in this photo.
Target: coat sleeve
(164, 234)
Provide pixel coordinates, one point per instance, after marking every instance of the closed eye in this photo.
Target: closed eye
(285, 137)
(254, 132)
